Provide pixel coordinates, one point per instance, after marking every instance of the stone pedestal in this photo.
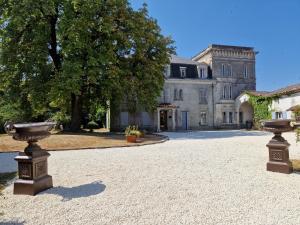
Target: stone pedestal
(279, 155)
(33, 172)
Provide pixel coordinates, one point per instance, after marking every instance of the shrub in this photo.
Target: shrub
(61, 119)
(92, 125)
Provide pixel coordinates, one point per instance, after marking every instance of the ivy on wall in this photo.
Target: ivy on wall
(261, 108)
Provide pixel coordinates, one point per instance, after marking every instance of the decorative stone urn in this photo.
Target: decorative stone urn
(278, 147)
(32, 163)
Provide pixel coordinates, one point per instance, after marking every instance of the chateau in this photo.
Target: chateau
(201, 93)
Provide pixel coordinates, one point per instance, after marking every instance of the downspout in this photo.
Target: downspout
(213, 103)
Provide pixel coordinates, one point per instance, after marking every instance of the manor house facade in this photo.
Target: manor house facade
(201, 93)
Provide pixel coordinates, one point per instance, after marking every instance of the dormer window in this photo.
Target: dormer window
(202, 73)
(183, 72)
(167, 71)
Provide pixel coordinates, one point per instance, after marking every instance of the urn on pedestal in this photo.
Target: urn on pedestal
(278, 147)
(32, 163)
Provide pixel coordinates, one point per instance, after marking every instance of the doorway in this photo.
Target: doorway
(163, 120)
(184, 117)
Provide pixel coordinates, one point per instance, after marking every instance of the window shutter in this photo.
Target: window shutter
(273, 115)
(284, 115)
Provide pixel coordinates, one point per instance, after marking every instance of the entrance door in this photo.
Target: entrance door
(184, 118)
(241, 118)
(163, 120)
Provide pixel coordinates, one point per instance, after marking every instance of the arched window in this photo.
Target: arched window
(180, 95)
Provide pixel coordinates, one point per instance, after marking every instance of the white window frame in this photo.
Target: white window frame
(230, 92)
(183, 72)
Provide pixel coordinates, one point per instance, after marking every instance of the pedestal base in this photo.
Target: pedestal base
(280, 167)
(32, 187)
(33, 172)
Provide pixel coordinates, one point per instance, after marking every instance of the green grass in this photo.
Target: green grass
(5, 178)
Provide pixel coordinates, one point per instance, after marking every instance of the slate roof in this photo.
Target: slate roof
(179, 60)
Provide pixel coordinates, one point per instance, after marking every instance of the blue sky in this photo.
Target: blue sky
(272, 27)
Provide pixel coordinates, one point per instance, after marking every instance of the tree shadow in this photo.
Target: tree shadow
(213, 134)
(85, 190)
(13, 223)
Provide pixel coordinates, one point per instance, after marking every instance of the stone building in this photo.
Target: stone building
(200, 93)
(282, 107)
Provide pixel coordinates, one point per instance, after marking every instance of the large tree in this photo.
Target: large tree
(71, 55)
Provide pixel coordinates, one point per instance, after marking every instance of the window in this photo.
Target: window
(278, 115)
(183, 72)
(229, 70)
(201, 72)
(223, 70)
(226, 70)
(224, 117)
(224, 93)
(175, 94)
(245, 71)
(202, 96)
(180, 95)
(227, 92)
(230, 117)
(202, 118)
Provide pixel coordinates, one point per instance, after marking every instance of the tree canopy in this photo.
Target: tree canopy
(69, 57)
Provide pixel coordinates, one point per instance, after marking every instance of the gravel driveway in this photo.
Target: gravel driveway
(212, 177)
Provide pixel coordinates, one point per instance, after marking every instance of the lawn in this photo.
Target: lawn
(66, 141)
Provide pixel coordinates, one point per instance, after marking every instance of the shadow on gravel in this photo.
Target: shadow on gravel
(85, 190)
(12, 223)
(213, 134)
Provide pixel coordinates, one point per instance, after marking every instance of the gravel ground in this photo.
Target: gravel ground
(214, 177)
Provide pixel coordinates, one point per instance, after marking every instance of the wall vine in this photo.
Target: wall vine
(261, 108)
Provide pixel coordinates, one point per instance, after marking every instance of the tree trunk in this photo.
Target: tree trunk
(76, 112)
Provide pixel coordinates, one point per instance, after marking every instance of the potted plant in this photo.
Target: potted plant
(132, 133)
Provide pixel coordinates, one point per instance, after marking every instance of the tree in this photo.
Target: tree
(67, 55)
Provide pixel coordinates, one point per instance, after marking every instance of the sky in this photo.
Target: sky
(272, 27)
